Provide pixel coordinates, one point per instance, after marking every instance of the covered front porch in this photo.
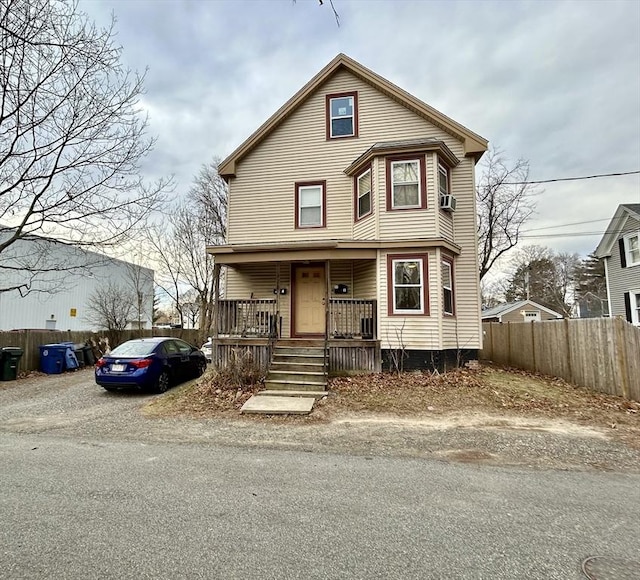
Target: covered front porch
(324, 298)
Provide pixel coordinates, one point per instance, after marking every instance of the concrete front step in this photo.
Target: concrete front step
(283, 385)
(276, 393)
(278, 405)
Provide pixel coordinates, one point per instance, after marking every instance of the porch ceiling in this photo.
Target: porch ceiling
(317, 251)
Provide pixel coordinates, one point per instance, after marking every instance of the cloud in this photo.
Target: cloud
(557, 83)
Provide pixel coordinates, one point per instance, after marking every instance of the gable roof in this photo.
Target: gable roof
(502, 309)
(474, 144)
(612, 233)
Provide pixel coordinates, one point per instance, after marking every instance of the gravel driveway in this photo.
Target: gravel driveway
(72, 406)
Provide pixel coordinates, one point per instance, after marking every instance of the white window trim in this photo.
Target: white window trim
(336, 117)
(301, 207)
(360, 195)
(442, 168)
(627, 251)
(536, 318)
(634, 296)
(394, 285)
(449, 266)
(393, 184)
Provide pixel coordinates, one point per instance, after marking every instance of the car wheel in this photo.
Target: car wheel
(202, 367)
(162, 384)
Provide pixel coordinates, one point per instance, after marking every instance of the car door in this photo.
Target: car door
(173, 359)
(187, 367)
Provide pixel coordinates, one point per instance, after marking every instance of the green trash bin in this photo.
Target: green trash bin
(9, 362)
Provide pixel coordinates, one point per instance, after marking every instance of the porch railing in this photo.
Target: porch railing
(248, 318)
(352, 318)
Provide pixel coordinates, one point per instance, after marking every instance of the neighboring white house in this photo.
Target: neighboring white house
(620, 250)
(57, 297)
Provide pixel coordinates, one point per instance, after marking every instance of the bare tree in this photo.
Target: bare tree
(504, 204)
(140, 285)
(180, 245)
(542, 275)
(71, 136)
(110, 308)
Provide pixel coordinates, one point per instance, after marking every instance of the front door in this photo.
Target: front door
(309, 300)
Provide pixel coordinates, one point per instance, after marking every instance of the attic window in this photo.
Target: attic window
(342, 115)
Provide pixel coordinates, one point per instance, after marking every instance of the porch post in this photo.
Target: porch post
(327, 306)
(216, 297)
(276, 314)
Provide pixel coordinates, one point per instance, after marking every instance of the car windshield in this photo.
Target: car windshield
(134, 348)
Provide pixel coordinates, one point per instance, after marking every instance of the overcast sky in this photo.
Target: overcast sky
(557, 83)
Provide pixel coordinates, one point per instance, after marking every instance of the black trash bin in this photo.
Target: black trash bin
(10, 362)
(89, 358)
(78, 349)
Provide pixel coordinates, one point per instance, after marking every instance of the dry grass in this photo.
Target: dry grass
(490, 390)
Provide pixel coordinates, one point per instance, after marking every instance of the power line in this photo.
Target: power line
(570, 234)
(565, 225)
(571, 178)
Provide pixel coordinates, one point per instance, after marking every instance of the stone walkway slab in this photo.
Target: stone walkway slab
(270, 405)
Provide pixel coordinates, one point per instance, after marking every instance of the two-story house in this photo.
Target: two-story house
(352, 220)
(620, 250)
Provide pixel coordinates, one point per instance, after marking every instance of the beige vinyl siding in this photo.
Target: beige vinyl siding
(468, 326)
(262, 207)
(406, 224)
(367, 228)
(414, 332)
(258, 281)
(298, 151)
(364, 279)
(251, 281)
(621, 279)
(341, 272)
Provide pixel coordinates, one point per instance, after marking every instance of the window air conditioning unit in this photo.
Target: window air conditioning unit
(448, 202)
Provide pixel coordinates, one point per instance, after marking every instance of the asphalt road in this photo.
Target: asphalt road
(88, 509)
(90, 488)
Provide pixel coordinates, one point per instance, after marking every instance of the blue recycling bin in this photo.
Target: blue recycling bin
(52, 358)
(70, 357)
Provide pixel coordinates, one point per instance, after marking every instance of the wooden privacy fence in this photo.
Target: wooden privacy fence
(602, 354)
(31, 340)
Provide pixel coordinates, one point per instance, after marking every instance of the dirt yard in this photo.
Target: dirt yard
(489, 396)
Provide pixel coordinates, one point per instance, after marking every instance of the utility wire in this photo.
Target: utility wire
(570, 234)
(571, 178)
(565, 225)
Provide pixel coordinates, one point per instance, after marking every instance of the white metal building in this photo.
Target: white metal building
(57, 298)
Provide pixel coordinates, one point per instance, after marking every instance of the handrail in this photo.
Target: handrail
(352, 318)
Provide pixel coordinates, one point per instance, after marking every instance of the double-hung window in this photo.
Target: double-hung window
(363, 194)
(443, 179)
(310, 204)
(447, 287)
(632, 249)
(407, 284)
(406, 184)
(342, 115)
(632, 306)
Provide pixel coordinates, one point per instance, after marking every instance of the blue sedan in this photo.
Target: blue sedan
(150, 363)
